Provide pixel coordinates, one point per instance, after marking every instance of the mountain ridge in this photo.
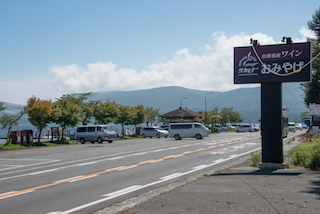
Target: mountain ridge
(246, 101)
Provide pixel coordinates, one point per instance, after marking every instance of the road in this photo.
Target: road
(86, 178)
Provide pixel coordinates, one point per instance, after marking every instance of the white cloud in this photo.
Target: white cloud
(305, 33)
(18, 91)
(212, 71)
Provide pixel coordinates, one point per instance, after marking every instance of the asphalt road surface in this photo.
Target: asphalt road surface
(87, 178)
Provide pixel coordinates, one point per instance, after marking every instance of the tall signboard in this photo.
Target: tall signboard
(281, 63)
(270, 65)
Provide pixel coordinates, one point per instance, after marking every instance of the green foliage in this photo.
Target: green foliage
(2, 107)
(215, 130)
(224, 116)
(40, 113)
(307, 154)
(10, 121)
(125, 116)
(256, 159)
(140, 116)
(105, 113)
(304, 115)
(151, 114)
(312, 89)
(67, 112)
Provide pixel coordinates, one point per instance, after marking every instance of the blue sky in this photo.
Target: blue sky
(53, 47)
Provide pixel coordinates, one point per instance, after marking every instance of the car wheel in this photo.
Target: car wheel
(166, 136)
(237, 131)
(198, 136)
(110, 141)
(82, 141)
(143, 136)
(177, 137)
(99, 140)
(158, 135)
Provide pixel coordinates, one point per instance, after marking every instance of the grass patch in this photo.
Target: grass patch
(256, 159)
(307, 154)
(128, 137)
(35, 145)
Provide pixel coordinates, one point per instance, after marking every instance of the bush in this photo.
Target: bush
(307, 154)
(256, 159)
(215, 130)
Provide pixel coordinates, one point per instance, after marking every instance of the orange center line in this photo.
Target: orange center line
(119, 168)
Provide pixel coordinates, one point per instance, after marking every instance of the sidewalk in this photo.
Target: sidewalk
(236, 189)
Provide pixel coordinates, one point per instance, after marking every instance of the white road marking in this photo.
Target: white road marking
(80, 179)
(116, 158)
(137, 187)
(123, 191)
(127, 168)
(21, 193)
(41, 172)
(83, 164)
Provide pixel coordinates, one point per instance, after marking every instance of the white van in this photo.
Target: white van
(95, 133)
(182, 130)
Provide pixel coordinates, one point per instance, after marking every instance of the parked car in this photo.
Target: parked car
(298, 126)
(292, 126)
(220, 127)
(304, 126)
(95, 133)
(153, 131)
(165, 127)
(230, 127)
(245, 128)
(193, 130)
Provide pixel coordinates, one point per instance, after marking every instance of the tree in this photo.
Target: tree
(40, 113)
(151, 114)
(140, 116)
(68, 113)
(304, 116)
(87, 107)
(125, 116)
(10, 121)
(229, 115)
(2, 107)
(105, 113)
(312, 89)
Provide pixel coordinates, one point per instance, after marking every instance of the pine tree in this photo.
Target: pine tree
(312, 89)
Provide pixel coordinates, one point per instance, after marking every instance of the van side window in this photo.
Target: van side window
(99, 129)
(197, 126)
(91, 129)
(81, 129)
(181, 126)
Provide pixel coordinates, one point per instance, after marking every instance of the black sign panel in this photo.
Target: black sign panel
(280, 63)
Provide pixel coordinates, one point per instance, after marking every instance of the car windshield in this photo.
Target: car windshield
(108, 128)
(203, 126)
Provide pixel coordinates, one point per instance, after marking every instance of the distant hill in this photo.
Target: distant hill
(246, 101)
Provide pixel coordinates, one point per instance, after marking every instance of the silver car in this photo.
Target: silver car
(244, 128)
(292, 126)
(153, 132)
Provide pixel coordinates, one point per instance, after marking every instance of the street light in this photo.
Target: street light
(181, 101)
(205, 106)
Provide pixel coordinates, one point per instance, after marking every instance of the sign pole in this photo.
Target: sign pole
(271, 125)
